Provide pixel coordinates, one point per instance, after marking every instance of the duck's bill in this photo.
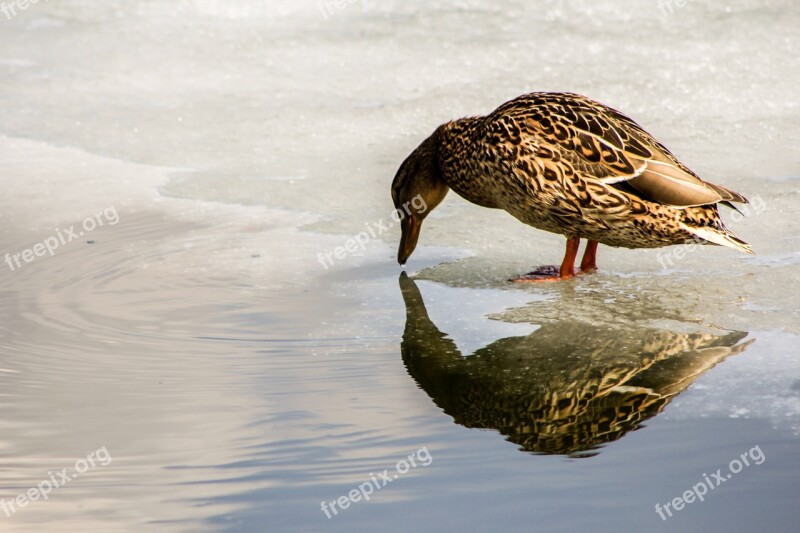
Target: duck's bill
(410, 228)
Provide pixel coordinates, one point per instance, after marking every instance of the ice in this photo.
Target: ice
(240, 89)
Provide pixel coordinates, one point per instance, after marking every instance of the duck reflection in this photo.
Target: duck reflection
(566, 388)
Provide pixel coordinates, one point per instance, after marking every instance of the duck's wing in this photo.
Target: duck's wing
(605, 145)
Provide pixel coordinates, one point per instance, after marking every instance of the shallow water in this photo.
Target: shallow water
(235, 380)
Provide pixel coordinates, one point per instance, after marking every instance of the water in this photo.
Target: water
(225, 379)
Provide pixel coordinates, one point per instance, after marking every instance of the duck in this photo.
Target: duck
(568, 387)
(564, 163)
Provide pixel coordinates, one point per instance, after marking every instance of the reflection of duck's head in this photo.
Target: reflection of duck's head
(566, 388)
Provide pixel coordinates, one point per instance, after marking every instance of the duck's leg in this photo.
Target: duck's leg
(567, 269)
(554, 273)
(589, 261)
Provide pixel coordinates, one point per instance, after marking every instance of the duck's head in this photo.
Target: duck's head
(418, 187)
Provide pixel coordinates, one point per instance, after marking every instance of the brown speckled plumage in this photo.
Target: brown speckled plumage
(567, 164)
(566, 388)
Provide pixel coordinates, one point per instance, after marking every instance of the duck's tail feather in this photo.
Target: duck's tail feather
(727, 194)
(730, 205)
(721, 236)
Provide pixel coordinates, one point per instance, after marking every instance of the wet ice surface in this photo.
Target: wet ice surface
(237, 382)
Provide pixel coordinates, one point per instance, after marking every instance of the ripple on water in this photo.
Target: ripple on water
(107, 344)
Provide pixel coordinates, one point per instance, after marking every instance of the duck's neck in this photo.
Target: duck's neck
(458, 162)
(456, 135)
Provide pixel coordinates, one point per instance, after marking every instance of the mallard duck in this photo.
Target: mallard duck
(566, 388)
(564, 163)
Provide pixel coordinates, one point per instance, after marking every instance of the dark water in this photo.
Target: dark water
(227, 405)
(574, 427)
